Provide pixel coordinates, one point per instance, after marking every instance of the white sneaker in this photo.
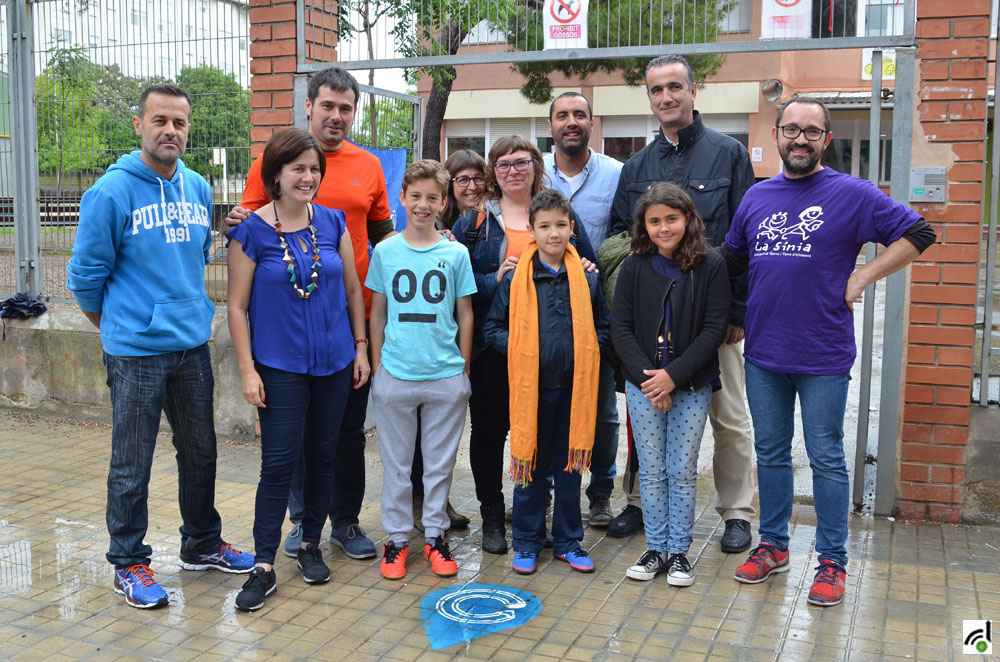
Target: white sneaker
(650, 564)
(679, 571)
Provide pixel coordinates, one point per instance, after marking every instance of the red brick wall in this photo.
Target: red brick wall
(273, 60)
(953, 40)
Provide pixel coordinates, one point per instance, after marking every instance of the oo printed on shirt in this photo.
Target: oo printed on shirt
(432, 287)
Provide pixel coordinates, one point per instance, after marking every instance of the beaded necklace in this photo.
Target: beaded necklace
(287, 259)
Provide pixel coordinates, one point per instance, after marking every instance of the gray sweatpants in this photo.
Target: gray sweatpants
(442, 404)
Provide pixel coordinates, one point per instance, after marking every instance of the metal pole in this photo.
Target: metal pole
(991, 253)
(300, 32)
(24, 139)
(868, 323)
(895, 293)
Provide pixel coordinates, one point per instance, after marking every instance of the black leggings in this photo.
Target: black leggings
(489, 409)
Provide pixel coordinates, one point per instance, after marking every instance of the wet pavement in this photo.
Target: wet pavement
(910, 586)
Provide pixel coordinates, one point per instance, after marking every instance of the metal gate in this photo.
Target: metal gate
(374, 35)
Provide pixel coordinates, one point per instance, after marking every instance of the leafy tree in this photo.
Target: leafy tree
(83, 114)
(615, 22)
(424, 28)
(389, 127)
(220, 117)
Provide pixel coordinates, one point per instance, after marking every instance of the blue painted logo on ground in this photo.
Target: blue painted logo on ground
(463, 613)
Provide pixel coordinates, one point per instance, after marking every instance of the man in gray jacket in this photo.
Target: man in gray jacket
(715, 170)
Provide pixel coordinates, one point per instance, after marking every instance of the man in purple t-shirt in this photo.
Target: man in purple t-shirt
(800, 233)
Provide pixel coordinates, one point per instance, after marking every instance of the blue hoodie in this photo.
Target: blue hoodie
(139, 258)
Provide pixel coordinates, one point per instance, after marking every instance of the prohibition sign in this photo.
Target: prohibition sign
(570, 7)
(787, 3)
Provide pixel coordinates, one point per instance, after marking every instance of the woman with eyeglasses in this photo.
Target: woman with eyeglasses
(468, 184)
(496, 235)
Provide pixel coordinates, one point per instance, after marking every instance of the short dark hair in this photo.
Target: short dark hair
(165, 89)
(427, 169)
(337, 79)
(664, 60)
(802, 98)
(552, 106)
(549, 199)
(693, 246)
(284, 148)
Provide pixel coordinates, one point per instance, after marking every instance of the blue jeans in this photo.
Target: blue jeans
(772, 406)
(302, 420)
(528, 521)
(180, 384)
(349, 466)
(602, 464)
(667, 445)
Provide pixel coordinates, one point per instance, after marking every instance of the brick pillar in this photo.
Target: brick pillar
(953, 42)
(274, 57)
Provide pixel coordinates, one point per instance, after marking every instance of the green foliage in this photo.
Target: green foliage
(393, 124)
(620, 23)
(84, 115)
(220, 117)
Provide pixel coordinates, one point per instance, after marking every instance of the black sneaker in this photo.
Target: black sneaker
(679, 570)
(650, 564)
(626, 523)
(310, 562)
(261, 584)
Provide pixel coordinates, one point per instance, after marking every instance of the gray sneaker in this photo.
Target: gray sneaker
(352, 539)
(600, 511)
(293, 542)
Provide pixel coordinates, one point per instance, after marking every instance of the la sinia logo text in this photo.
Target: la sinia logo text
(977, 637)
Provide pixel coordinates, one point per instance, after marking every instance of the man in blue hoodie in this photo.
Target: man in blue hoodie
(137, 273)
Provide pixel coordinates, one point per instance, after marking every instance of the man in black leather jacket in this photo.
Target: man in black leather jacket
(715, 170)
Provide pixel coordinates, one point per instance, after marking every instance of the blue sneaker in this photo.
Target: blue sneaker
(227, 559)
(136, 583)
(293, 542)
(525, 562)
(578, 560)
(352, 539)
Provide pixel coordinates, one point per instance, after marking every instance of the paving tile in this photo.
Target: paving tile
(910, 584)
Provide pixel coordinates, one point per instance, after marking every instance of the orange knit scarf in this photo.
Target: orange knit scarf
(522, 367)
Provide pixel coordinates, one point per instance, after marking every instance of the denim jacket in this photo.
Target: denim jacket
(487, 254)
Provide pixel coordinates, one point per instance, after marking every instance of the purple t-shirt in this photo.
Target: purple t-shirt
(803, 237)
(306, 336)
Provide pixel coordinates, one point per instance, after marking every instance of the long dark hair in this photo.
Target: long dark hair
(456, 163)
(693, 246)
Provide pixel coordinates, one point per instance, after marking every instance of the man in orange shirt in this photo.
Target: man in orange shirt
(354, 183)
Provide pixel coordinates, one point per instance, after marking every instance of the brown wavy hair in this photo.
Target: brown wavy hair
(693, 246)
(507, 145)
(456, 163)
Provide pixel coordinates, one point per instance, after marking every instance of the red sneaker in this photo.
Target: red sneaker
(828, 586)
(763, 561)
(393, 564)
(442, 562)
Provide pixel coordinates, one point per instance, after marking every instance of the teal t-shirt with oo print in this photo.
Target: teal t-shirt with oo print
(421, 286)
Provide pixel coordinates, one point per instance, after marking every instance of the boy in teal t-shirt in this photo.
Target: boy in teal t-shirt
(421, 335)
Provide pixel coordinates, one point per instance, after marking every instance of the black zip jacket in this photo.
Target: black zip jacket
(712, 167)
(700, 307)
(555, 323)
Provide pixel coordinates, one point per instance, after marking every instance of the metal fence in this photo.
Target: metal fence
(8, 270)
(386, 33)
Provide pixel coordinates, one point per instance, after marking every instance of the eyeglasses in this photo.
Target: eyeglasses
(791, 132)
(464, 181)
(521, 165)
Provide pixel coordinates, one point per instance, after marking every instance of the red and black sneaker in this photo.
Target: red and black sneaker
(442, 562)
(393, 564)
(763, 561)
(828, 586)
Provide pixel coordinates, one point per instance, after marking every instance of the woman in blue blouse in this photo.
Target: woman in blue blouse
(292, 277)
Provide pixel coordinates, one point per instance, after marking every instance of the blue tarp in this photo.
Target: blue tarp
(393, 165)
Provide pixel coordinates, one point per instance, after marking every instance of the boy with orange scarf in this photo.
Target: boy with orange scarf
(549, 318)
